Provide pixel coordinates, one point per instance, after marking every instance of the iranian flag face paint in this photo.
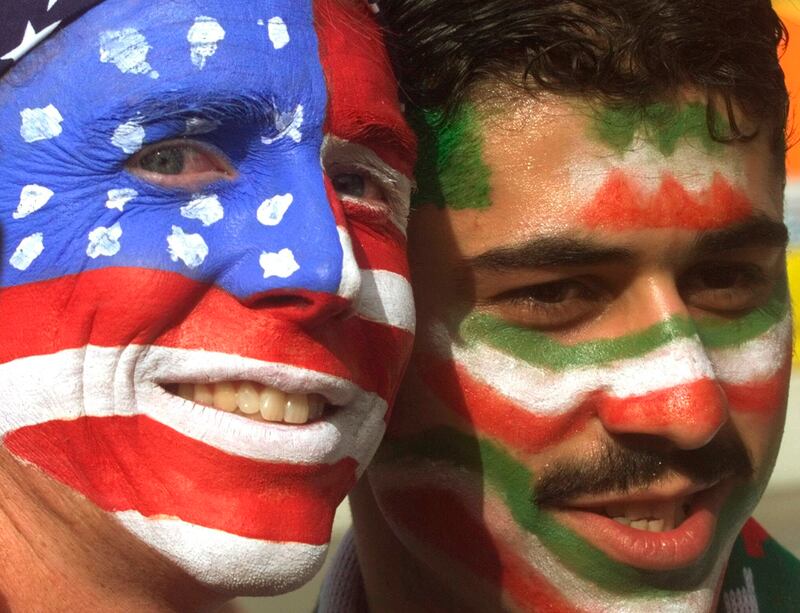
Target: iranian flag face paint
(597, 396)
(205, 300)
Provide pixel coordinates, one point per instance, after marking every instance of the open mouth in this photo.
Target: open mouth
(657, 516)
(253, 400)
(648, 530)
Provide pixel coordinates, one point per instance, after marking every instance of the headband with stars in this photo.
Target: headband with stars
(23, 25)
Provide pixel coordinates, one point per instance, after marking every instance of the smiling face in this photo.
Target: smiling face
(204, 290)
(599, 388)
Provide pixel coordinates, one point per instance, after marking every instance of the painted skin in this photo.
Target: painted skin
(590, 300)
(237, 216)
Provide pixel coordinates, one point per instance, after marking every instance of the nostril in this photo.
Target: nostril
(300, 306)
(284, 302)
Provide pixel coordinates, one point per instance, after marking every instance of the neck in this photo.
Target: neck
(396, 580)
(50, 536)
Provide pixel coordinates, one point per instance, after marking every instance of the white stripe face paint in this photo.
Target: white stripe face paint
(339, 155)
(678, 363)
(102, 381)
(646, 167)
(350, 283)
(386, 298)
(226, 562)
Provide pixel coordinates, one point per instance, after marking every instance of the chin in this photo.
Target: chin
(244, 507)
(227, 563)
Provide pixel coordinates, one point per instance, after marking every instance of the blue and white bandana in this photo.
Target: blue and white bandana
(23, 25)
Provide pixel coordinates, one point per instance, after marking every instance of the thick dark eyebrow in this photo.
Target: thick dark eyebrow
(757, 231)
(213, 106)
(547, 251)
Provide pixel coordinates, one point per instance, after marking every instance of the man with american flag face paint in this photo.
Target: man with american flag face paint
(203, 292)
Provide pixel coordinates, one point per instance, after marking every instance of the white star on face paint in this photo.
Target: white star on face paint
(40, 124)
(206, 209)
(287, 125)
(278, 33)
(190, 249)
(272, 210)
(104, 241)
(203, 38)
(281, 264)
(118, 198)
(31, 199)
(30, 248)
(30, 39)
(129, 136)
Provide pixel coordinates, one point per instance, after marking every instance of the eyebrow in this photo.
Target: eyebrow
(222, 105)
(756, 231)
(547, 251)
(552, 251)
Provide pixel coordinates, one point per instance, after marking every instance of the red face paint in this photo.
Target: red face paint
(623, 204)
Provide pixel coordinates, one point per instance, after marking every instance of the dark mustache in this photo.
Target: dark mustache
(621, 468)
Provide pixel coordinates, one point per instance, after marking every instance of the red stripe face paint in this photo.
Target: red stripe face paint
(623, 204)
(207, 337)
(620, 301)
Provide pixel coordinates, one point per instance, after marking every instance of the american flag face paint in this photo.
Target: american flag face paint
(598, 390)
(205, 194)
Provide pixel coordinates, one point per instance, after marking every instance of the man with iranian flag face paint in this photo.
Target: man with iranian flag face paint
(598, 390)
(204, 296)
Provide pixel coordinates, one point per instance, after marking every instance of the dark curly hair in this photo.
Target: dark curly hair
(619, 52)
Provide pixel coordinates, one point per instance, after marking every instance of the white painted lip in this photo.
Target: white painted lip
(97, 381)
(343, 397)
(345, 432)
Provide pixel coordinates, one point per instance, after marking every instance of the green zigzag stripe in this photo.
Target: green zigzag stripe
(538, 349)
(662, 125)
(513, 482)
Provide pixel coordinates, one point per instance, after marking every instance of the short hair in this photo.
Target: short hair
(618, 52)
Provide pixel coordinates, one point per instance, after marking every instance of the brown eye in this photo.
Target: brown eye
(550, 306)
(726, 287)
(181, 164)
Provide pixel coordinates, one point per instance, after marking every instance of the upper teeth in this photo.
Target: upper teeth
(650, 516)
(255, 400)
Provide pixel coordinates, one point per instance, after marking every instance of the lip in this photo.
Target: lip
(655, 551)
(121, 381)
(351, 431)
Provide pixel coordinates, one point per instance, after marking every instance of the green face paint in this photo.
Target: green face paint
(493, 405)
(539, 349)
(450, 171)
(513, 483)
(661, 125)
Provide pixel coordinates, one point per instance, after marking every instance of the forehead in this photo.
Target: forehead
(286, 52)
(104, 54)
(555, 164)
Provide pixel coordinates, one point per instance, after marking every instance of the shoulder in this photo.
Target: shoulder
(761, 575)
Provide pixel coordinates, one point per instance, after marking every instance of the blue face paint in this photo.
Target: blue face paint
(117, 293)
(229, 72)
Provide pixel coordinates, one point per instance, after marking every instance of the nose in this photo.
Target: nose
(294, 255)
(684, 403)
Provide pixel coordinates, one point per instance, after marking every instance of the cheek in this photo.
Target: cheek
(107, 307)
(482, 407)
